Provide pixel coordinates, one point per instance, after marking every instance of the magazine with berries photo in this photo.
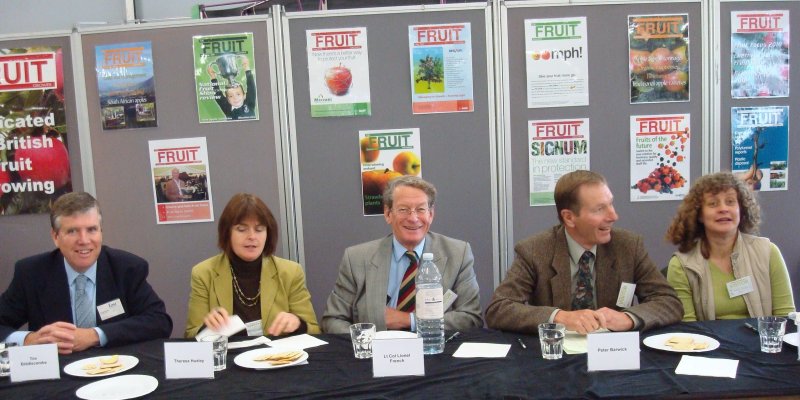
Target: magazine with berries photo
(660, 149)
(385, 155)
(338, 72)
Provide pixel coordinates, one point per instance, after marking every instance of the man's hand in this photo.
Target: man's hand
(85, 338)
(284, 323)
(397, 319)
(60, 333)
(211, 73)
(581, 321)
(616, 320)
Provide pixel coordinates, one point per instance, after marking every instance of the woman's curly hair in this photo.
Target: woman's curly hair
(686, 229)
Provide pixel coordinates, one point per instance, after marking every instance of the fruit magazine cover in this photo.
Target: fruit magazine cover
(385, 155)
(34, 161)
(338, 72)
(660, 164)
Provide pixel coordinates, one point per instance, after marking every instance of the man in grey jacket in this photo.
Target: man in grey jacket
(579, 272)
(369, 287)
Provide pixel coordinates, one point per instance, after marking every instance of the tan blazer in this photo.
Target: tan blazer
(359, 294)
(540, 280)
(283, 288)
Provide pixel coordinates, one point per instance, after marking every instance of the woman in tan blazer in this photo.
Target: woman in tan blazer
(268, 293)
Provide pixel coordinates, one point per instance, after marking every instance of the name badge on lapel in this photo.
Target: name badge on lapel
(740, 286)
(110, 309)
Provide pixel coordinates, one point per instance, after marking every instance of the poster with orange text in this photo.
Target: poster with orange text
(34, 161)
(658, 58)
(338, 72)
(660, 147)
(181, 180)
(385, 155)
(441, 68)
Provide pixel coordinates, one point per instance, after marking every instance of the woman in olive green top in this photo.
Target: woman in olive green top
(721, 270)
(268, 293)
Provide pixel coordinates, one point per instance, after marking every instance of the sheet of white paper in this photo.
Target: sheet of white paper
(704, 366)
(248, 343)
(299, 342)
(484, 350)
(576, 343)
(235, 325)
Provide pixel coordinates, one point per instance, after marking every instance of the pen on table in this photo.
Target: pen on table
(747, 324)
(521, 343)
(453, 336)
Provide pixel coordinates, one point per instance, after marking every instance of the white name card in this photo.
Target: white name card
(35, 362)
(188, 360)
(613, 351)
(397, 357)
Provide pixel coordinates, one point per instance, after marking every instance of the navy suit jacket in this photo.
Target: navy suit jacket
(39, 295)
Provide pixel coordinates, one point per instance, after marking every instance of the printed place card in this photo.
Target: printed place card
(34, 362)
(397, 357)
(188, 360)
(613, 351)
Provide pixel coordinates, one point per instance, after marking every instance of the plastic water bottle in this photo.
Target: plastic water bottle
(429, 310)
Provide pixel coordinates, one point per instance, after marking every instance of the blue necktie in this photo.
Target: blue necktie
(584, 293)
(84, 315)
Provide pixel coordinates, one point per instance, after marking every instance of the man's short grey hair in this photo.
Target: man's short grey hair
(410, 181)
(71, 204)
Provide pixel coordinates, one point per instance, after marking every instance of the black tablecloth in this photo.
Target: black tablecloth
(333, 372)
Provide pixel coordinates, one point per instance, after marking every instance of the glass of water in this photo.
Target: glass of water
(551, 339)
(219, 346)
(362, 334)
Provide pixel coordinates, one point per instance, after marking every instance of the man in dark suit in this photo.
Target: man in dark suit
(574, 273)
(371, 274)
(83, 294)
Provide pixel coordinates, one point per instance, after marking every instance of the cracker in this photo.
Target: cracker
(685, 343)
(109, 360)
(280, 358)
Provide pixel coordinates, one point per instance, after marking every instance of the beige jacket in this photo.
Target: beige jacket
(750, 257)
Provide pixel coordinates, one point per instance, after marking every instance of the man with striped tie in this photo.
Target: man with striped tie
(82, 294)
(376, 278)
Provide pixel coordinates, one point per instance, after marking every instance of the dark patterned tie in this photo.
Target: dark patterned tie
(584, 293)
(406, 301)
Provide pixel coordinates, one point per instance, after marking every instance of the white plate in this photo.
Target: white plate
(790, 338)
(245, 360)
(657, 342)
(394, 335)
(76, 368)
(118, 388)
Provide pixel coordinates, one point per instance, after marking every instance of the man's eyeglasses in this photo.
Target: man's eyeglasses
(406, 212)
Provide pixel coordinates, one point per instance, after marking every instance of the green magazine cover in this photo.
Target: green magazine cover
(225, 77)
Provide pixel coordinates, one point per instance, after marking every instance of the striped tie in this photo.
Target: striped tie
(84, 315)
(406, 301)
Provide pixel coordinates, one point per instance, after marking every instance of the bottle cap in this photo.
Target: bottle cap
(427, 256)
